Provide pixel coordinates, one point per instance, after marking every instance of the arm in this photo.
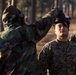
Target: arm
(42, 64)
(43, 61)
(42, 26)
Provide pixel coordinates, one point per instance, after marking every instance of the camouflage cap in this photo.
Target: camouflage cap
(65, 21)
(11, 13)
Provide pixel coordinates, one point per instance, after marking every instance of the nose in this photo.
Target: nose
(62, 27)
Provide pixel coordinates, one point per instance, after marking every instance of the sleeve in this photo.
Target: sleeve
(42, 63)
(11, 51)
(43, 26)
(39, 29)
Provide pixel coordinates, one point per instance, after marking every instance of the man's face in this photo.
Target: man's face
(60, 30)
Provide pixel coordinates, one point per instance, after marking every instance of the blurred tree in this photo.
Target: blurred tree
(33, 11)
(12, 2)
(55, 3)
(45, 6)
(3, 5)
(72, 2)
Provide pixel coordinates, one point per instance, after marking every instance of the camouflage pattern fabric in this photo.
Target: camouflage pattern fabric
(18, 43)
(73, 38)
(58, 57)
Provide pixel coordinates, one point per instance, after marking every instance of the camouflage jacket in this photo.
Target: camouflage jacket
(18, 47)
(59, 58)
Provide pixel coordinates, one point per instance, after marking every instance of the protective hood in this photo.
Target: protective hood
(12, 16)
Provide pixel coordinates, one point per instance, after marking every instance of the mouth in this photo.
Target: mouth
(62, 31)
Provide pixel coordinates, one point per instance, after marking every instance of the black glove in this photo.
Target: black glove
(61, 16)
(55, 12)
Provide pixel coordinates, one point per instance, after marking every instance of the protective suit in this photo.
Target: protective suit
(18, 41)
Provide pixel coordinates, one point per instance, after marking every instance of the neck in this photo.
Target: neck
(62, 38)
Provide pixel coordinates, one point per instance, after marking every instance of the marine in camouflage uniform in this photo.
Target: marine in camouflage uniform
(59, 55)
(18, 41)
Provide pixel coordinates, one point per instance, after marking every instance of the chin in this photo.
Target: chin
(64, 35)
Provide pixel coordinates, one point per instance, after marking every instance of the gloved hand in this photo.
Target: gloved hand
(61, 15)
(63, 18)
(55, 12)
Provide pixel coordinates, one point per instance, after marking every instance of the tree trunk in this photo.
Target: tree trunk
(60, 4)
(33, 11)
(68, 8)
(12, 2)
(56, 3)
(72, 8)
(3, 7)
